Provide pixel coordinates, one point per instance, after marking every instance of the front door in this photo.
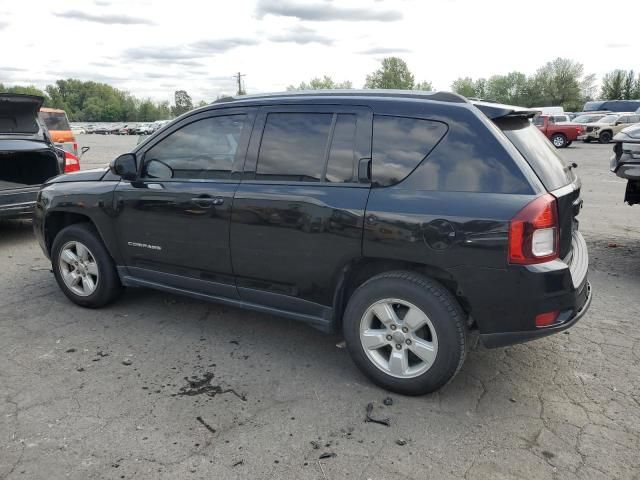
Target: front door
(298, 218)
(173, 222)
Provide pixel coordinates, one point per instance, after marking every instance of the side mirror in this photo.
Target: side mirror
(125, 166)
(157, 170)
(618, 123)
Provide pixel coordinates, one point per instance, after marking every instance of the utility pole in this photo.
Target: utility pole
(239, 80)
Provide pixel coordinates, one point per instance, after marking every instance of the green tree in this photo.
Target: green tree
(393, 73)
(25, 90)
(559, 82)
(202, 103)
(183, 103)
(323, 83)
(620, 85)
(464, 86)
(425, 85)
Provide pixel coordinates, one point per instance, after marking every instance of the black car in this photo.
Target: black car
(404, 220)
(27, 155)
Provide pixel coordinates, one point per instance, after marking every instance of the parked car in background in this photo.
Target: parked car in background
(585, 118)
(28, 156)
(353, 212)
(101, 130)
(616, 106)
(560, 134)
(625, 162)
(78, 130)
(59, 129)
(604, 129)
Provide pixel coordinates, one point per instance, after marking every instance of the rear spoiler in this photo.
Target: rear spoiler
(498, 110)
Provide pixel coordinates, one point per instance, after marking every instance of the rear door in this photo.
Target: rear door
(298, 213)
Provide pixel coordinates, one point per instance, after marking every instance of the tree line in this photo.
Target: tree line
(559, 82)
(99, 102)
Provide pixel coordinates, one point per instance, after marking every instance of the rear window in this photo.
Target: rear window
(55, 120)
(538, 151)
(400, 144)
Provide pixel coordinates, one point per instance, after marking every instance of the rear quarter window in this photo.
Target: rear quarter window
(400, 144)
(537, 151)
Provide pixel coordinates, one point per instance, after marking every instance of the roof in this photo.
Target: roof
(371, 93)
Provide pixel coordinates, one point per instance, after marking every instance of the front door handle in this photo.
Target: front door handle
(206, 201)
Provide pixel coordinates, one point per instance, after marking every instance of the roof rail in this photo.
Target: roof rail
(417, 94)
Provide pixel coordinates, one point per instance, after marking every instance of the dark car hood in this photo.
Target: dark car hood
(93, 175)
(19, 113)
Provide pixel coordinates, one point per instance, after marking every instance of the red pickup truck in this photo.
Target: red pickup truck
(560, 134)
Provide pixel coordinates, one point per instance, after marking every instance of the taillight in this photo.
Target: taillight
(534, 232)
(71, 162)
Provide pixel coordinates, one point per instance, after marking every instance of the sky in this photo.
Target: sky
(153, 47)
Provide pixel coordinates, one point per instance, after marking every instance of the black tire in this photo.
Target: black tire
(587, 140)
(559, 140)
(436, 302)
(107, 287)
(605, 137)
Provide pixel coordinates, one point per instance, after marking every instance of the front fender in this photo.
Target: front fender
(64, 203)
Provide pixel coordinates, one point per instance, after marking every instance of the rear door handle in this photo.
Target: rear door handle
(206, 201)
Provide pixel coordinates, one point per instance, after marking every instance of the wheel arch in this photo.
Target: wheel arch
(56, 220)
(358, 271)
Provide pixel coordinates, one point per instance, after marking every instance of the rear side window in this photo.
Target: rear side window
(55, 120)
(400, 144)
(538, 151)
(307, 147)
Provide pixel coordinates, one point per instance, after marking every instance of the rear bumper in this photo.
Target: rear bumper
(18, 203)
(504, 303)
(568, 320)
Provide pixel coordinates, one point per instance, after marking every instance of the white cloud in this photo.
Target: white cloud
(151, 48)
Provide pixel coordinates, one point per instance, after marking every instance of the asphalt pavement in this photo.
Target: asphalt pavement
(162, 386)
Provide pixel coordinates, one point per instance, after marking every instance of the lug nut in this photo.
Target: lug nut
(389, 337)
(393, 327)
(408, 342)
(405, 329)
(398, 346)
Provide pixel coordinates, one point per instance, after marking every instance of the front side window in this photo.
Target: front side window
(204, 149)
(400, 144)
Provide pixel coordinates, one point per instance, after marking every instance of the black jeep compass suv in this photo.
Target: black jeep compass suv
(405, 220)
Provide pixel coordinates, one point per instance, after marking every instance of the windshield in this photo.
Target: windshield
(538, 151)
(55, 120)
(587, 118)
(608, 119)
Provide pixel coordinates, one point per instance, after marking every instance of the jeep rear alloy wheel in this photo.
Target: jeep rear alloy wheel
(79, 268)
(405, 331)
(398, 338)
